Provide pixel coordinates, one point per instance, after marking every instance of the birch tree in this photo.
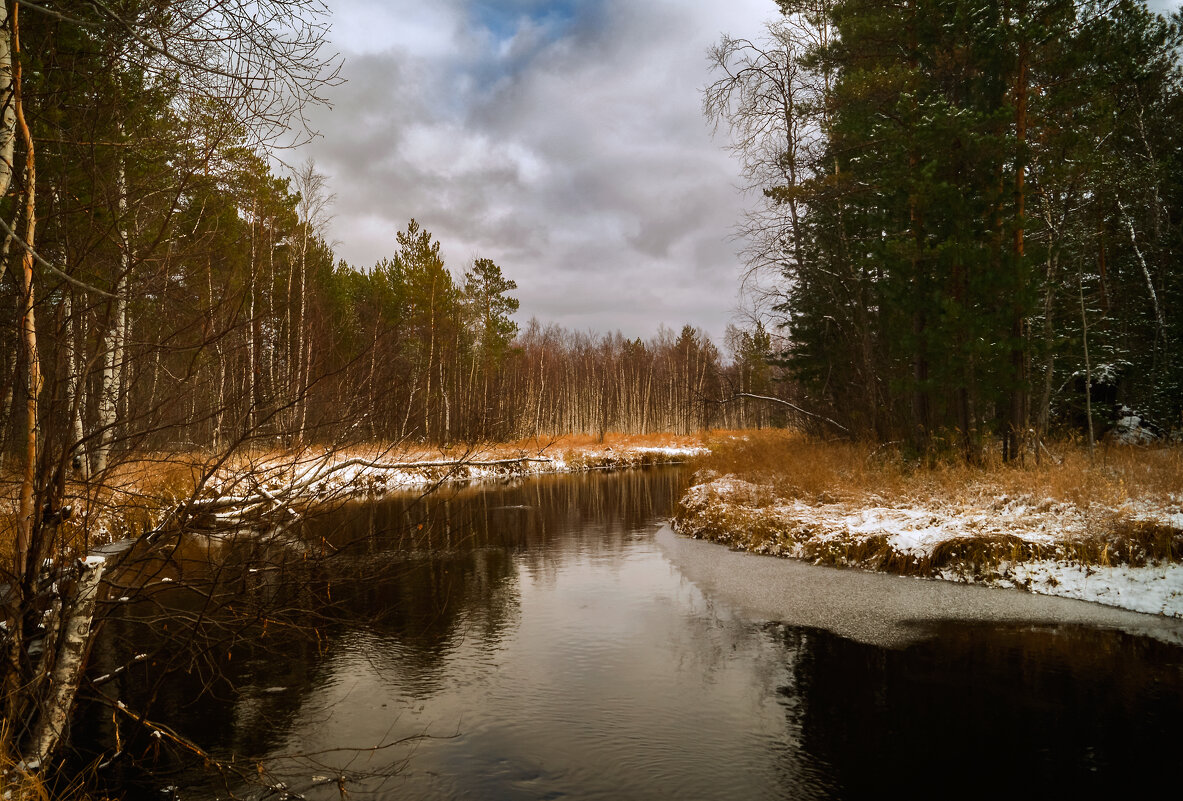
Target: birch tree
(255, 68)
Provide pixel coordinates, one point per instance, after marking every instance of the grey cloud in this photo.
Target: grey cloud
(580, 163)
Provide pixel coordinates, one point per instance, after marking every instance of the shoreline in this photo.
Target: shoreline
(257, 490)
(1118, 556)
(877, 607)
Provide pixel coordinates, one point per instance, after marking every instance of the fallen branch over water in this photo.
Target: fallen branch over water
(262, 499)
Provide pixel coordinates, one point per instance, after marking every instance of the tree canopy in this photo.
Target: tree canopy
(973, 208)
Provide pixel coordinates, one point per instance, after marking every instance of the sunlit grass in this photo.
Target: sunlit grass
(781, 477)
(137, 492)
(799, 467)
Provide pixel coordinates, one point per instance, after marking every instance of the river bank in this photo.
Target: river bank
(1108, 531)
(521, 638)
(257, 486)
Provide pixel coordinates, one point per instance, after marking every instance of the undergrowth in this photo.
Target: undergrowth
(132, 496)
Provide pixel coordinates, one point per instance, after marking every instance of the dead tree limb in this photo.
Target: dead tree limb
(320, 471)
(783, 402)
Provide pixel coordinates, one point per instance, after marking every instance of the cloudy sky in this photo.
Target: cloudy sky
(561, 138)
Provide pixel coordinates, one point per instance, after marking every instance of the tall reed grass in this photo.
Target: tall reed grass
(818, 471)
(1113, 490)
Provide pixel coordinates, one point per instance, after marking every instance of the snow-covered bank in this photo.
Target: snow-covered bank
(276, 484)
(1118, 555)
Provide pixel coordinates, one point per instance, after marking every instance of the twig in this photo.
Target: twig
(784, 402)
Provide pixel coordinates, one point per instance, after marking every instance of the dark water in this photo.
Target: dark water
(534, 642)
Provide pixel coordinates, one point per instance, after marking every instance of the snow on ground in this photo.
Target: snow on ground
(342, 474)
(1153, 589)
(906, 536)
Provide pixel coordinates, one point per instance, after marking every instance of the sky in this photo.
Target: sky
(564, 139)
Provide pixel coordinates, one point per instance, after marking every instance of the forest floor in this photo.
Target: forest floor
(1107, 529)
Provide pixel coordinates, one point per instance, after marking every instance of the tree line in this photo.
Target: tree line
(970, 211)
(178, 291)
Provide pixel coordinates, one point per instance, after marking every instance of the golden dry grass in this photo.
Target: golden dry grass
(132, 497)
(817, 471)
(782, 466)
(135, 493)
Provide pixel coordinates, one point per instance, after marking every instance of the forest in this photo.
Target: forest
(969, 213)
(181, 293)
(168, 292)
(965, 241)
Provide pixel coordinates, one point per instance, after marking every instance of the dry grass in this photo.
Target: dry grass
(553, 446)
(22, 785)
(827, 472)
(776, 469)
(134, 495)
(131, 498)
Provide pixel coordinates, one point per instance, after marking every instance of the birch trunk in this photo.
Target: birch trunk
(113, 342)
(291, 352)
(251, 356)
(74, 383)
(1159, 318)
(273, 350)
(430, 358)
(7, 104)
(306, 370)
(1049, 370)
(447, 406)
(67, 671)
(1088, 365)
(301, 363)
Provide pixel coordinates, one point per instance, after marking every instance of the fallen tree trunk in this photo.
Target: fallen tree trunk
(263, 497)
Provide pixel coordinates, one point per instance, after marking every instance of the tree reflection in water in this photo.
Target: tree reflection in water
(538, 635)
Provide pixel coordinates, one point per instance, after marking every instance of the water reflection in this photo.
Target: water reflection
(987, 709)
(534, 642)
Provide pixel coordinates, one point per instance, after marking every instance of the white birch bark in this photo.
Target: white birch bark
(301, 375)
(1088, 365)
(113, 341)
(1158, 315)
(7, 104)
(73, 382)
(251, 327)
(430, 358)
(67, 671)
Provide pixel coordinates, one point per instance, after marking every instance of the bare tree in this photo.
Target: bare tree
(250, 67)
(313, 210)
(773, 104)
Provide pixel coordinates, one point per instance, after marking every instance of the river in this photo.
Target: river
(550, 639)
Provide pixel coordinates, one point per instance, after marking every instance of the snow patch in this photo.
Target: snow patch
(738, 512)
(1153, 589)
(1129, 429)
